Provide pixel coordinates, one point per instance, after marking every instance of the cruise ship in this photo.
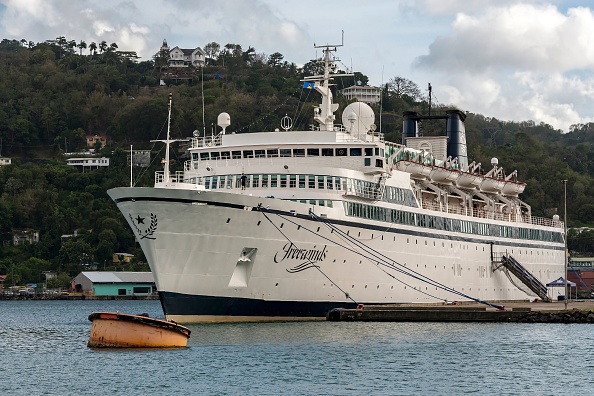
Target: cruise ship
(288, 224)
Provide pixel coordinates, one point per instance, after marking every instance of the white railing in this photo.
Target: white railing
(174, 177)
(485, 214)
(207, 141)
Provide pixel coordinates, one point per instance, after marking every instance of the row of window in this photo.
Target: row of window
(391, 194)
(447, 224)
(287, 152)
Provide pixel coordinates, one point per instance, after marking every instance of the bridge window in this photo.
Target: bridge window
(298, 152)
(272, 153)
(341, 152)
(248, 154)
(301, 181)
(236, 154)
(327, 152)
(356, 152)
(285, 152)
(313, 152)
(260, 153)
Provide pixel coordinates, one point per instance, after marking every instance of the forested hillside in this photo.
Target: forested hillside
(53, 94)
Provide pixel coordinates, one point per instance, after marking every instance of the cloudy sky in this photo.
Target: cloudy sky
(509, 59)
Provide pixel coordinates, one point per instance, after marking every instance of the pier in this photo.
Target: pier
(521, 312)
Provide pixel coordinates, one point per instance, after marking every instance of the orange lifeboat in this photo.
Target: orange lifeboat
(118, 330)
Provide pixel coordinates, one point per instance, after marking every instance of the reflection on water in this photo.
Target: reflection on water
(43, 351)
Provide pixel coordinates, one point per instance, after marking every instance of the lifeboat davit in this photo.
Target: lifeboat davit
(443, 175)
(417, 170)
(468, 180)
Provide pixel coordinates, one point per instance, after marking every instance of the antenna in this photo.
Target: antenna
(332, 45)
(430, 98)
(131, 184)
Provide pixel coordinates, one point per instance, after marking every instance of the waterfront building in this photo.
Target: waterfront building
(91, 162)
(105, 283)
(365, 94)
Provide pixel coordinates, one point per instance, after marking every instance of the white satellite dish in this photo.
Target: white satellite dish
(358, 118)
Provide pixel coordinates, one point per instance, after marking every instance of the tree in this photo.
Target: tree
(211, 50)
(92, 48)
(275, 59)
(102, 46)
(81, 45)
(401, 87)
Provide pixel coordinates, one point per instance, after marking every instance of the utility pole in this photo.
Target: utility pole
(564, 181)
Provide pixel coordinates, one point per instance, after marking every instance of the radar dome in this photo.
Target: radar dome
(223, 120)
(556, 218)
(494, 161)
(358, 118)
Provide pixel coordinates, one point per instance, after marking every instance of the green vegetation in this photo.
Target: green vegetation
(55, 93)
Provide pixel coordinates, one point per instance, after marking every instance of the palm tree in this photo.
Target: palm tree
(102, 46)
(82, 45)
(61, 41)
(92, 48)
(113, 46)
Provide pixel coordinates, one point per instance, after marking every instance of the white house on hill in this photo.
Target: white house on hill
(184, 57)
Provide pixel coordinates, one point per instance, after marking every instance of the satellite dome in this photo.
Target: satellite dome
(494, 161)
(223, 120)
(357, 118)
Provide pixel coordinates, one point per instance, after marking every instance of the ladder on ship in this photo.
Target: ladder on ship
(523, 275)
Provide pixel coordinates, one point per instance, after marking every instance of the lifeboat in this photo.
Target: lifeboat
(468, 180)
(491, 185)
(417, 170)
(118, 330)
(443, 175)
(513, 188)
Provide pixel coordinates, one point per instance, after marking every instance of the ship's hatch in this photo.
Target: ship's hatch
(243, 268)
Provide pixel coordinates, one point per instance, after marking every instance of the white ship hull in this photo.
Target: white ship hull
(194, 241)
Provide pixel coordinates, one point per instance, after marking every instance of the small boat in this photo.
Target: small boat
(513, 188)
(468, 180)
(119, 330)
(443, 175)
(417, 170)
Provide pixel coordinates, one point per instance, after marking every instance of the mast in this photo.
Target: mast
(324, 114)
(167, 143)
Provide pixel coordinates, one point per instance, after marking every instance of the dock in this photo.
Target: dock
(524, 312)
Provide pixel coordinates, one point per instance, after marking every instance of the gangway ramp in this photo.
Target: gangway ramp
(525, 276)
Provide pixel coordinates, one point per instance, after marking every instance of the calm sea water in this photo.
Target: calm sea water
(43, 352)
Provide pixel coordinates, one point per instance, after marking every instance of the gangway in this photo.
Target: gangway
(524, 275)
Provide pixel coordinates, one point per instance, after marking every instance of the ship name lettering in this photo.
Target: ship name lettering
(291, 252)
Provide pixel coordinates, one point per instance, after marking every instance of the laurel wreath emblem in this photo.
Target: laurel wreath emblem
(148, 233)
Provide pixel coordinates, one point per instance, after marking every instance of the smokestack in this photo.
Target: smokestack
(457, 138)
(410, 127)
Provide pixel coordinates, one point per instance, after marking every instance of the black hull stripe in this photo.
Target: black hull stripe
(184, 304)
(351, 224)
